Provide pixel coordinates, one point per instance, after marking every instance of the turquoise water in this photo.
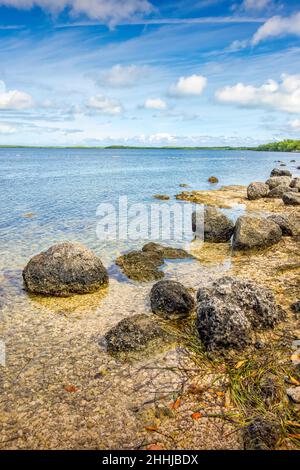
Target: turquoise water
(61, 189)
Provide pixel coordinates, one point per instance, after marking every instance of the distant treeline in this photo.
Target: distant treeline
(283, 146)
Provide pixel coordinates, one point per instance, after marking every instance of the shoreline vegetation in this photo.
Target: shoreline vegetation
(283, 146)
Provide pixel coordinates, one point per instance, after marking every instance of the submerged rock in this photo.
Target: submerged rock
(291, 199)
(213, 179)
(171, 299)
(218, 227)
(163, 197)
(143, 265)
(277, 180)
(132, 334)
(257, 190)
(279, 172)
(261, 434)
(255, 232)
(231, 309)
(65, 269)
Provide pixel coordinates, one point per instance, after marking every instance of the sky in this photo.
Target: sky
(148, 72)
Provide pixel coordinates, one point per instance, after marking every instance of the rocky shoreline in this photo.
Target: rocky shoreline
(235, 339)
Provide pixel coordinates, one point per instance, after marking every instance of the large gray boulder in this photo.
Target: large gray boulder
(64, 269)
(255, 232)
(277, 180)
(218, 227)
(257, 190)
(132, 334)
(280, 172)
(291, 198)
(295, 183)
(231, 309)
(171, 299)
(279, 191)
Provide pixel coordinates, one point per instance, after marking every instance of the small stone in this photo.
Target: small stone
(218, 228)
(171, 299)
(213, 179)
(257, 190)
(283, 222)
(294, 394)
(163, 197)
(280, 190)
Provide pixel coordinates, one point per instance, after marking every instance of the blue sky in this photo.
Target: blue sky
(142, 72)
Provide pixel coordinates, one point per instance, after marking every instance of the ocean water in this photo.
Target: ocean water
(49, 195)
(52, 195)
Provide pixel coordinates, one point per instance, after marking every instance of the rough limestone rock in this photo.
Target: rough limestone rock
(280, 172)
(261, 434)
(294, 394)
(171, 299)
(231, 309)
(291, 199)
(218, 227)
(255, 232)
(162, 197)
(277, 180)
(132, 334)
(284, 223)
(257, 190)
(295, 183)
(65, 269)
(279, 191)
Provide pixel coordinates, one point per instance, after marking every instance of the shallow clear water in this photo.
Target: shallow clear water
(61, 189)
(52, 195)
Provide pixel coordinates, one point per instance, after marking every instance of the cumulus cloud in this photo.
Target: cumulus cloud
(189, 86)
(282, 96)
(109, 11)
(104, 105)
(6, 129)
(155, 103)
(122, 76)
(161, 137)
(14, 99)
(278, 26)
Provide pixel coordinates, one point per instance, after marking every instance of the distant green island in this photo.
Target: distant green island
(287, 145)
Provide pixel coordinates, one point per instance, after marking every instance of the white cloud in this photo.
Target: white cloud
(256, 4)
(6, 129)
(278, 26)
(14, 99)
(104, 104)
(121, 76)
(282, 96)
(295, 124)
(189, 86)
(162, 137)
(237, 45)
(110, 11)
(155, 103)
